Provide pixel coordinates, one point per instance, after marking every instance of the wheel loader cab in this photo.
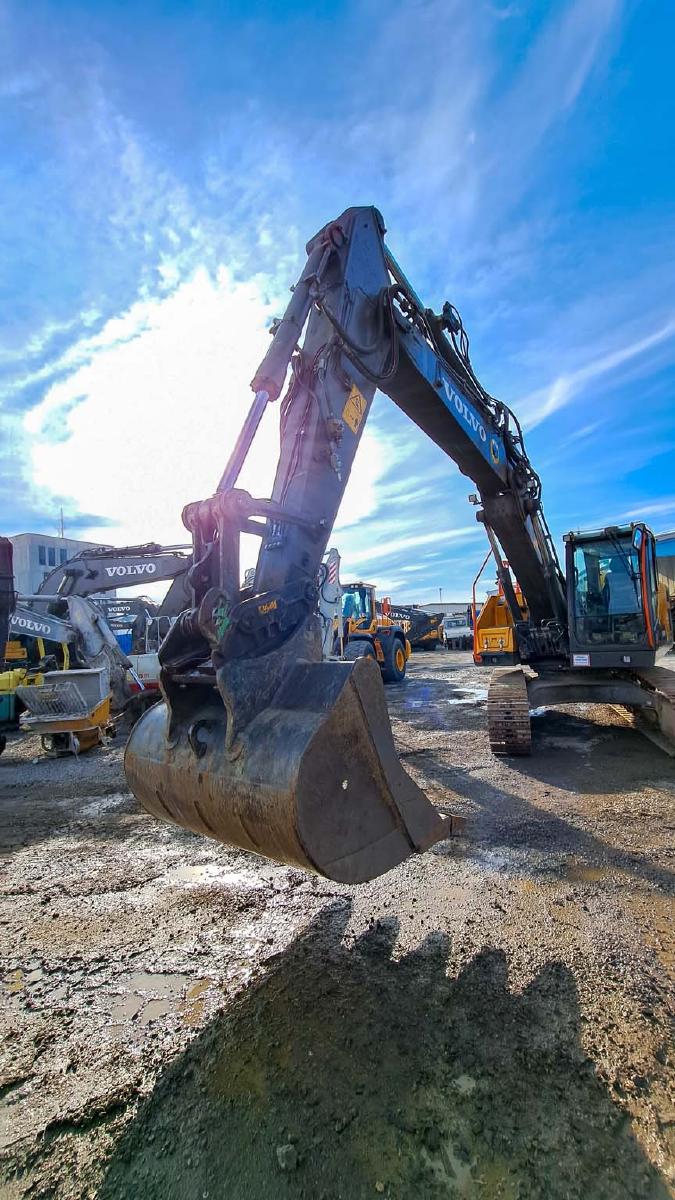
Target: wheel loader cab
(358, 608)
(615, 618)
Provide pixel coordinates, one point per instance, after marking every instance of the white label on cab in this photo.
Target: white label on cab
(581, 660)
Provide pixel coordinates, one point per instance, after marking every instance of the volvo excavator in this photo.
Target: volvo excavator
(108, 567)
(260, 743)
(63, 614)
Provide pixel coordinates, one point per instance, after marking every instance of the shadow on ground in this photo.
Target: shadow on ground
(500, 816)
(372, 1075)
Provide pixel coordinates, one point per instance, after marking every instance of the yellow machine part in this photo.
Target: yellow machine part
(70, 733)
(12, 679)
(15, 652)
(405, 650)
(377, 621)
(434, 635)
(91, 722)
(494, 633)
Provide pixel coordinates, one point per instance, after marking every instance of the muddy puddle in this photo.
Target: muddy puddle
(146, 997)
(581, 872)
(450, 696)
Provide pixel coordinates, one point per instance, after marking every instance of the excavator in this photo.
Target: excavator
(85, 575)
(63, 616)
(260, 743)
(107, 568)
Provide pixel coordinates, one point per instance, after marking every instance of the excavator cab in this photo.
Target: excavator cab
(616, 617)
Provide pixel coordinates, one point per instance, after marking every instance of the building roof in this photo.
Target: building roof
(54, 537)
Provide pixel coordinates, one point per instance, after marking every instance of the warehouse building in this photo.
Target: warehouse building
(449, 608)
(36, 554)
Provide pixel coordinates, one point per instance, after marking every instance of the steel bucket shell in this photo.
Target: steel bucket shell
(313, 780)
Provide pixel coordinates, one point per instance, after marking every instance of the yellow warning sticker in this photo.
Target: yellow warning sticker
(355, 409)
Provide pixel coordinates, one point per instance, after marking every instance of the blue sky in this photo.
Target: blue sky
(164, 165)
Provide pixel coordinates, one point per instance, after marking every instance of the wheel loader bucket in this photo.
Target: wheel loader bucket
(313, 779)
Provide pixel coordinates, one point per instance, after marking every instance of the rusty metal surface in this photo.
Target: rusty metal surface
(313, 780)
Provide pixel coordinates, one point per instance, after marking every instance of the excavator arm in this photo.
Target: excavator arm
(104, 569)
(258, 742)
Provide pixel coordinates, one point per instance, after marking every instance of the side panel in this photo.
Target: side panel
(91, 572)
(31, 623)
(426, 392)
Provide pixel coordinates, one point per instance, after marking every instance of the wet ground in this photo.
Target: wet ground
(493, 1019)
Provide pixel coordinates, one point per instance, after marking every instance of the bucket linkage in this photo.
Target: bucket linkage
(272, 749)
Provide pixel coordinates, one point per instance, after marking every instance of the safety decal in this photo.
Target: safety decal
(354, 410)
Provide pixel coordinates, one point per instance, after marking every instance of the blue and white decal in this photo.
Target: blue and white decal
(467, 416)
(490, 444)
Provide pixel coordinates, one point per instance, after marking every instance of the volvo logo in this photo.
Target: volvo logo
(467, 414)
(120, 571)
(29, 625)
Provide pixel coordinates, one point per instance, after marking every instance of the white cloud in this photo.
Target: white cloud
(376, 455)
(150, 409)
(658, 508)
(539, 405)
(377, 550)
(149, 415)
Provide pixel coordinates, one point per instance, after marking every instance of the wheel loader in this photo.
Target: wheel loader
(367, 632)
(261, 743)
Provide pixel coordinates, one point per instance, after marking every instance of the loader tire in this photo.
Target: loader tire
(359, 649)
(393, 667)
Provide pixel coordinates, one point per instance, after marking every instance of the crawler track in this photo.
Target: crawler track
(509, 712)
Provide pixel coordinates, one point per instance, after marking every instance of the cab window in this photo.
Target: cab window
(607, 593)
(356, 604)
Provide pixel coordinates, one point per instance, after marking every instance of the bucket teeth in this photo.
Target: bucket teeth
(312, 780)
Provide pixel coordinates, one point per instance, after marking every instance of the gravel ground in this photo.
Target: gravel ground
(492, 1019)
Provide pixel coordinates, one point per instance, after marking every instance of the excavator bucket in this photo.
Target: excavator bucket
(312, 779)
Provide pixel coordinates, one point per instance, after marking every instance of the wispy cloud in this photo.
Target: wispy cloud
(146, 422)
(393, 547)
(650, 508)
(539, 405)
